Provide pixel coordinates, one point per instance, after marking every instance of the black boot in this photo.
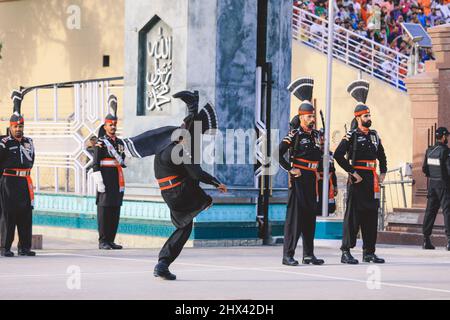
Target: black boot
(162, 271)
(290, 261)
(448, 245)
(7, 253)
(348, 258)
(427, 245)
(312, 260)
(115, 246)
(104, 246)
(26, 252)
(372, 257)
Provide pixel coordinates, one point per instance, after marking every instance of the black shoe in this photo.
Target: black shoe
(7, 253)
(448, 245)
(427, 245)
(115, 246)
(289, 261)
(104, 246)
(162, 271)
(371, 257)
(312, 260)
(348, 258)
(27, 253)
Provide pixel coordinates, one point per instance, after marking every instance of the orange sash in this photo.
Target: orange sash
(112, 163)
(29, 181)
(372, 166)
(309, 165)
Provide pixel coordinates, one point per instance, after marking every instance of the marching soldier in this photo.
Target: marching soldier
(16, 187)
(436, 167)
(303, 145)
(109, 160)
(179, 175)
(363, 147)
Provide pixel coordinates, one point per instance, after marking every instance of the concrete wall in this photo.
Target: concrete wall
(390, 107)
(39, 48)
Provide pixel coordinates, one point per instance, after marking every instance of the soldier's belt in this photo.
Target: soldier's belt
(113, 163)
(365, 164)
(305, 164)
(22, 173)
(17, 172)
(370, 165)
(169, 182)
(109, 163)
(310, 166)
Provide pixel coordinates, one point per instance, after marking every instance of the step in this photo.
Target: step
(406, 238)
(410, 228)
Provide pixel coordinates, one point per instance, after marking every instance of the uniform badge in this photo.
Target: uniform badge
(374, 140)
(121, 148)
(27, 145)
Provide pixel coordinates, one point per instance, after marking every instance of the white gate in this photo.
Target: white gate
(64, 116)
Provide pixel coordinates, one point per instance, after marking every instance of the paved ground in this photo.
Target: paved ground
(222, 273)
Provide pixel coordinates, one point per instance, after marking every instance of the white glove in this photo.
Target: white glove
(98, 179)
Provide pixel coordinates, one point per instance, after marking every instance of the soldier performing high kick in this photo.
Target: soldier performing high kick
(303, 144)
(109, 159)
(436, 167)
(16, 187)
(178, 174)
(363, 147)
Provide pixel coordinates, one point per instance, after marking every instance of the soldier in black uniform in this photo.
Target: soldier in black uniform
(109, 159)
(363, 147)
(303, 144)
(178, 174)
(16, 187)
(436, 167)
(332, 190)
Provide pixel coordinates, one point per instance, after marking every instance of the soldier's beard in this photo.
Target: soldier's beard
(18, 134)
(367, 124)
(311, 125)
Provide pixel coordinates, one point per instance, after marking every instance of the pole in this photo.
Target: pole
(326, 155)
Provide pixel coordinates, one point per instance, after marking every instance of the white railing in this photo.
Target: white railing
(61, 118)
(351, 48)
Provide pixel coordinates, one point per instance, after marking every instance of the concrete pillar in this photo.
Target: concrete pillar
(429, 93)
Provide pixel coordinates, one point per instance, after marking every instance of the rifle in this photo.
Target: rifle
(323, 120)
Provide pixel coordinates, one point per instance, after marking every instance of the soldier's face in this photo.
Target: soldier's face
(308, 120)
(110, 128)
(366, 120)
(16, 130)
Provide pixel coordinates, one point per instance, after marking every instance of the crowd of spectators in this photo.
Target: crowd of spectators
(380, 21)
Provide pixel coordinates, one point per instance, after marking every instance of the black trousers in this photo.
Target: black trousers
(9, 219)
(361, 213)
(108, 222)
(301, 215)
(438, 197)
(173, 246)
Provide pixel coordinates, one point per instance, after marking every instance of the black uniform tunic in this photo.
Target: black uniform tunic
(185, 200)
(303, 198)
(436, 166)
(113, 196)
(109, 202)
(15, 195)
(362, 203)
